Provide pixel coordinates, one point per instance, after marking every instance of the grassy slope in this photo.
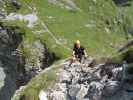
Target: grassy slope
(70, 26)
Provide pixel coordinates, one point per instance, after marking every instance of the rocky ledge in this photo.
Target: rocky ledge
(97, 82)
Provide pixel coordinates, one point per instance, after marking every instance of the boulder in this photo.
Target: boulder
(73, 91)
(95, 90)
(111, 87)
(57, 95)
(82, 92)
(42, 95)
(65, 77)
(16, 4)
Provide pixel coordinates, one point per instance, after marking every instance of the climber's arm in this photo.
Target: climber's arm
(85, 53)
(73, 53)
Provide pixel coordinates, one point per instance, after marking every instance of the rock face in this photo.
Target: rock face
(30, 18)
(122, 2)
(67, 4)
(9, 60)
(16, 69)
(42, 95)
(10, 57)
(98, 82)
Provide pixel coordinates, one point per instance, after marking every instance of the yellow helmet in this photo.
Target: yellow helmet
(77, 42)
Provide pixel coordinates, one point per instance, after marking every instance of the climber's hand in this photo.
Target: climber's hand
(86, 56)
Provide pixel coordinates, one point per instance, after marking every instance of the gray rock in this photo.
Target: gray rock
(42, 95)
(57, 95)
(65, 77)
(2, 76)
(111, 87)
(73, 91)
(82, 92)
(9, 42)
(52, 1)
(30, 18)
(95, 90)
(16, 4)
(89, 83)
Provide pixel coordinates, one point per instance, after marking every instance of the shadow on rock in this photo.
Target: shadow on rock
(122, 2)
(9, 59)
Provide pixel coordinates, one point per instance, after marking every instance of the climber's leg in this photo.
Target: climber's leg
(72, 60)
(81, 59)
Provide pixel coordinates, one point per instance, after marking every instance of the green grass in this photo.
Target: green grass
(71, 26)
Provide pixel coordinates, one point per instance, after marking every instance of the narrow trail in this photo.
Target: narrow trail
(97, 82)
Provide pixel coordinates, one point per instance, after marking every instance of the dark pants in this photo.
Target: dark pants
(78, 58)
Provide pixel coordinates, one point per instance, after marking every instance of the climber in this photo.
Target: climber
(78, 53)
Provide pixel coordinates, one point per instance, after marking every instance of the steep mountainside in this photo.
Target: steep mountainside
(36, 33)
(101, 26)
